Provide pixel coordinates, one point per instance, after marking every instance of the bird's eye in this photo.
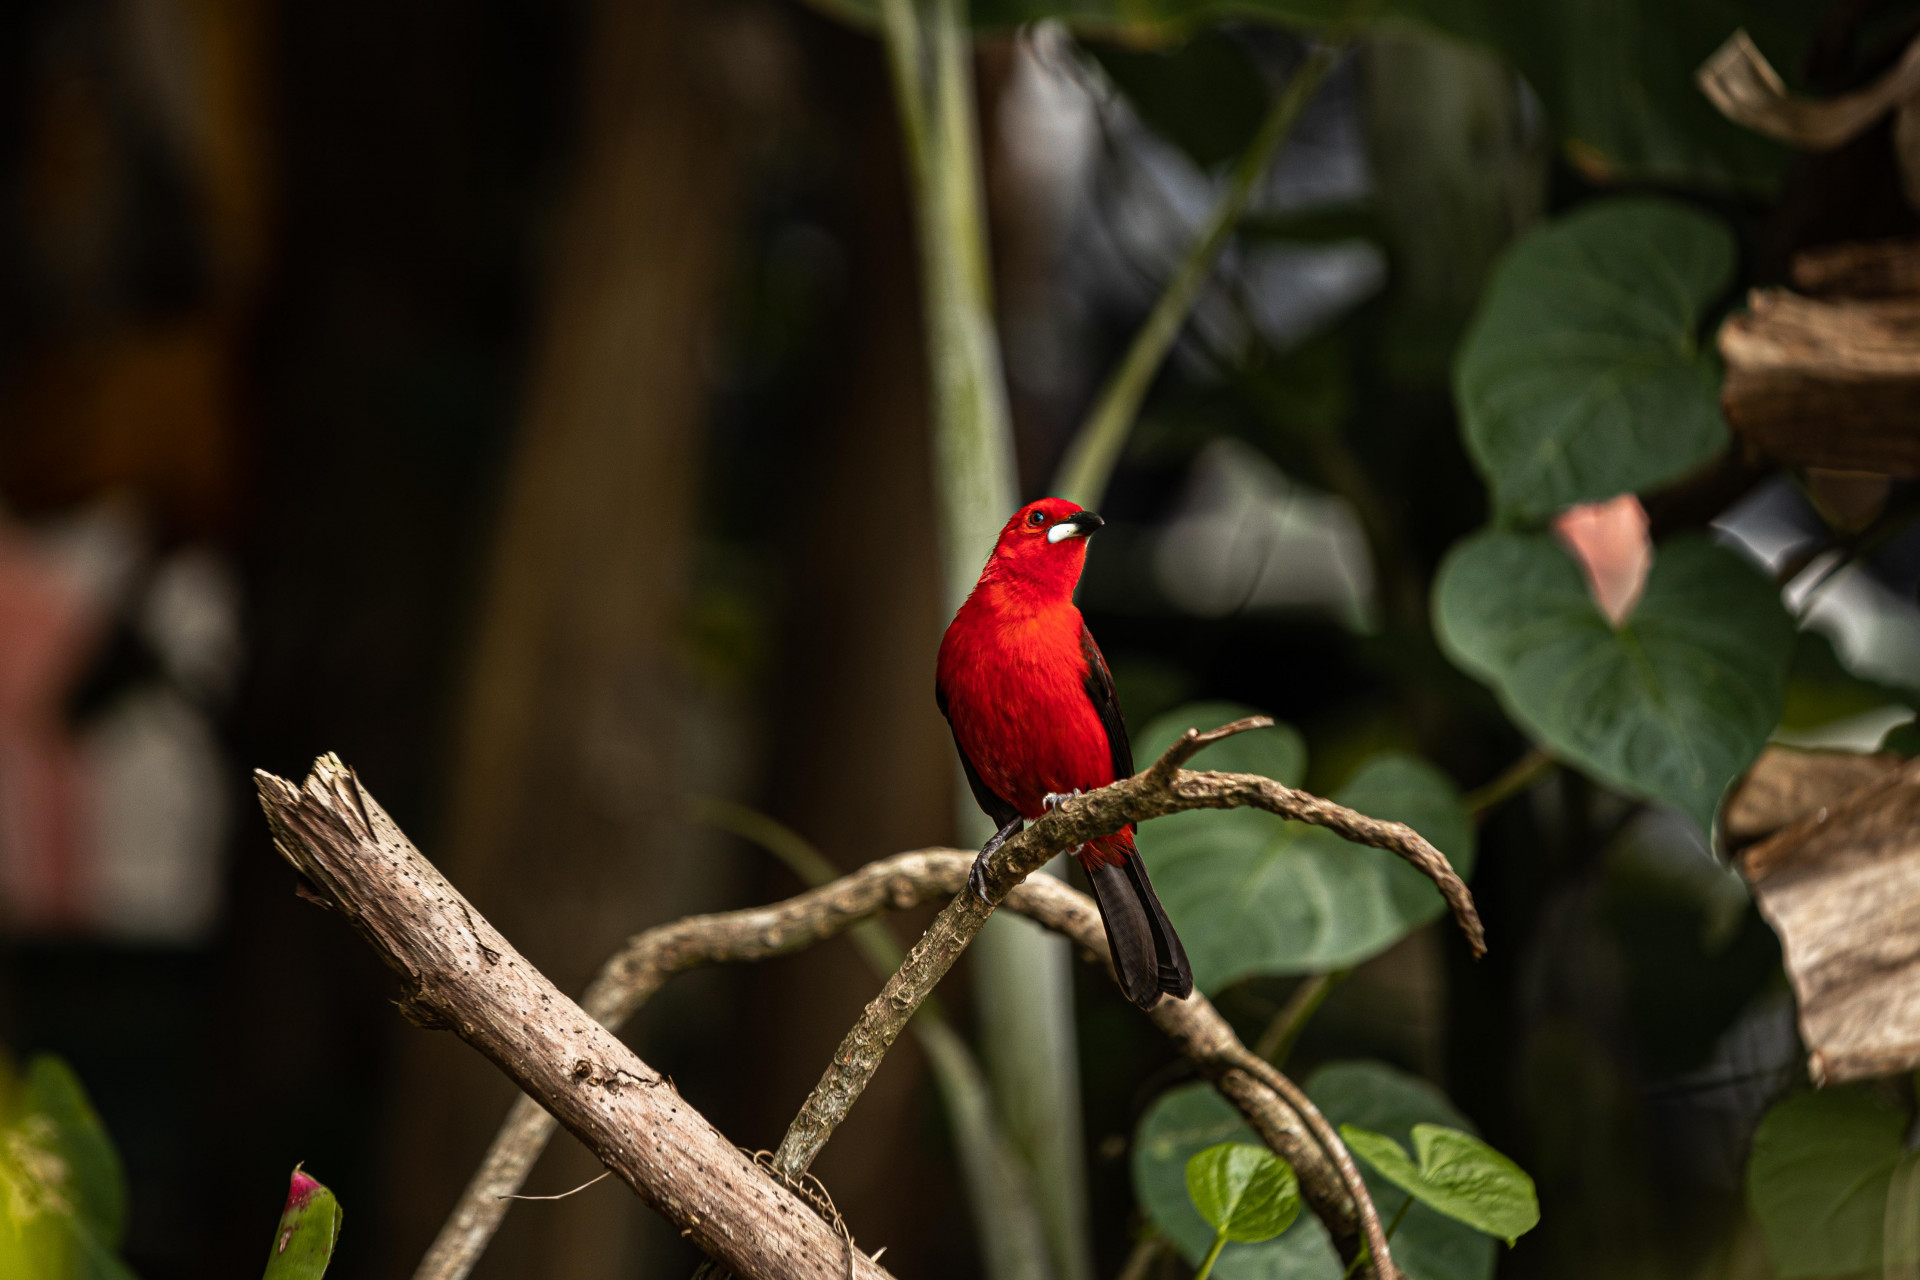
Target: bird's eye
(1037, 519)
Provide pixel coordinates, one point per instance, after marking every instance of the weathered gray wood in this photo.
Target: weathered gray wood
(1842, 889)
(460, 974)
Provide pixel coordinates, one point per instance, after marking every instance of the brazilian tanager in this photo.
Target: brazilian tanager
(1031, 704)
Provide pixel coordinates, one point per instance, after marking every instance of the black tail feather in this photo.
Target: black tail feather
(1147, 955)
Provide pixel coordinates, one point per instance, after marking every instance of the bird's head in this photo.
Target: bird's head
(1044, 546)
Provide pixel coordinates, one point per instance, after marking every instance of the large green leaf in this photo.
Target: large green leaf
(1244, 1191)
(1583, 374)
(1672, 706)
(1457, 1174)
(1818, 1177)
(1185, 1121)
(1251, 894)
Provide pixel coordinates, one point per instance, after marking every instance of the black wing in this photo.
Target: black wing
(991, 804)
(1099, 686)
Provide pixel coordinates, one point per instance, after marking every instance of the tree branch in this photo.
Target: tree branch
(1161, 789)
(461, 974)
(892, 884)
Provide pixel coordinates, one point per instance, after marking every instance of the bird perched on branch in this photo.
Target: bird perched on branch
(1031, 705)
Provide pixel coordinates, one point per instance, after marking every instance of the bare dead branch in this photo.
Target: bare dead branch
(462, 974)
(1161, 789)
(896, 883)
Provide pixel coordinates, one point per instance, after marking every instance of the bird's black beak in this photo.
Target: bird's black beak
(1081, 524)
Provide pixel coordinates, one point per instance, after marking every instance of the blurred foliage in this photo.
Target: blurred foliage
(60, 1179)
(1673, 704)
(1822, 1166)
(1584, 374)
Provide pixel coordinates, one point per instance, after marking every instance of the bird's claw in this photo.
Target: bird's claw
(1054, 799)
(977, 875)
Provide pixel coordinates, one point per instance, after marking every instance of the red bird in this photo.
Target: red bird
(1031, 705)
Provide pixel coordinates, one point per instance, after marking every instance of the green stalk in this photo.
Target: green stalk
(1206, 1263)
(1024, 979)
(1096, 446)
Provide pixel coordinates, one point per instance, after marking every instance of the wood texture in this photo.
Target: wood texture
(1832, 384)
(1842, 889)
(1786, 784)
(459, 973)
(1859, 269)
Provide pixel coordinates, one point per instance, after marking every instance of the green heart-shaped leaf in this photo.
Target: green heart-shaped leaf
(1818, 1177)
(1583, 375)
(1251, 893)
(1245, 1192)
(1187, 1120)
(1671, 706)
(1458, 1174)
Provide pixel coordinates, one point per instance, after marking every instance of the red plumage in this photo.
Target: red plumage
(1031, 705)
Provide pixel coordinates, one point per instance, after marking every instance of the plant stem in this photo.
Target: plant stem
(1146, 1251)
(1206, 1264)
(1398, 1214)
(1277, 1041)
(1517, 777)
(1096, 446)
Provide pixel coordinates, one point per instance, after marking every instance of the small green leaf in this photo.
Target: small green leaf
(1188, 1120)
(1458, 1174)
(1246, 1193)
(309, 1228)
(1818, 1177)
(1672, 706)
(1583, 375)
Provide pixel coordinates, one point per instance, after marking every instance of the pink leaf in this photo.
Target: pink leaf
(1609, 541)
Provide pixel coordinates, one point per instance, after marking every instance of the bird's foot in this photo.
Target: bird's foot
(1054, 799)
(977, 876)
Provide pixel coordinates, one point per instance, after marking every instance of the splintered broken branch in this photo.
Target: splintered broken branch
(459, 973)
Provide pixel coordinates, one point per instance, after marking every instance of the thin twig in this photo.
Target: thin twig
(1146, 1251)
(1096, 446)
(1161, 789)
(604, 1175)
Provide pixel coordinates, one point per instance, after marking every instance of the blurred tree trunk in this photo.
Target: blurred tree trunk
(861, 763)
(560, 814)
